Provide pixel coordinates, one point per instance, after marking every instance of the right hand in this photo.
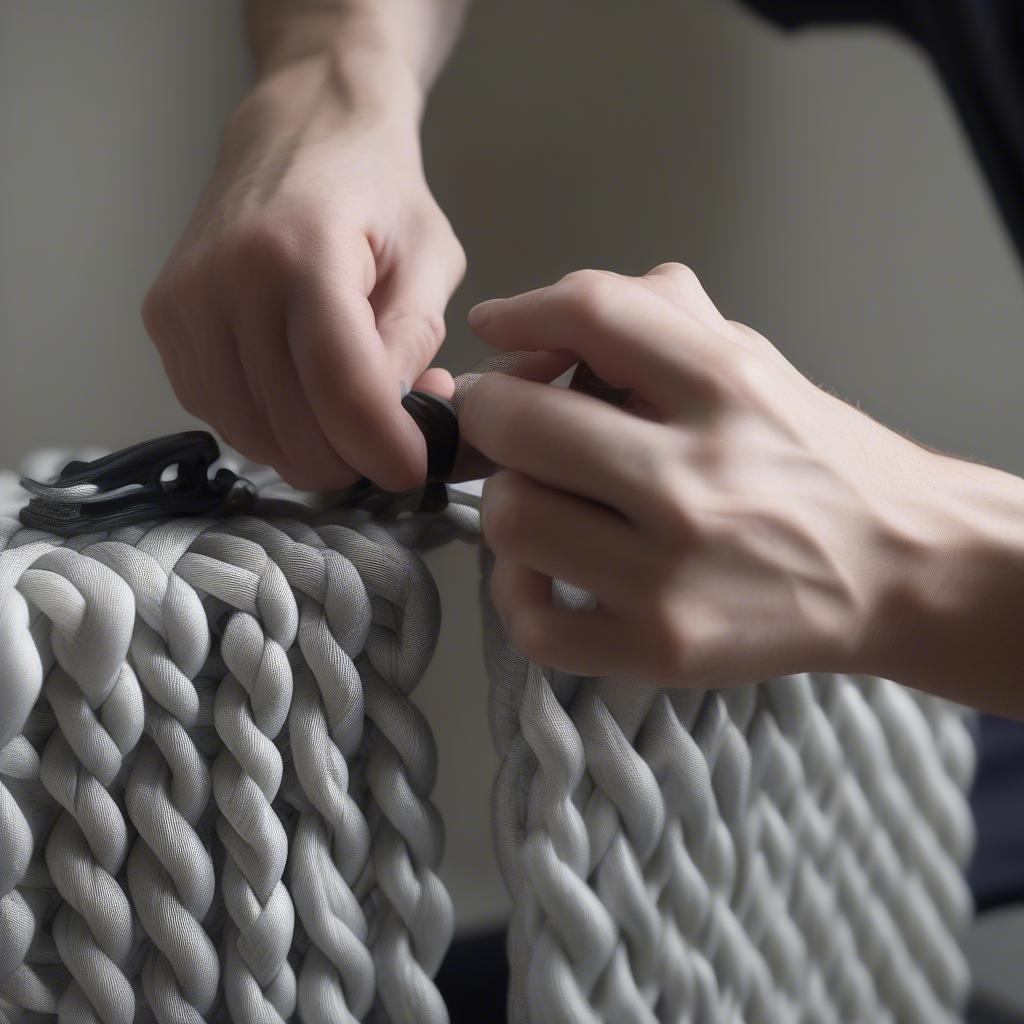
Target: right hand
(307, 294)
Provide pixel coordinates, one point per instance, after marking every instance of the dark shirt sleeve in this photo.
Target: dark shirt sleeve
(977, 48)
(795, 13)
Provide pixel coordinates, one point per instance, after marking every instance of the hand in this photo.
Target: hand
(308, 292)
(734, 522)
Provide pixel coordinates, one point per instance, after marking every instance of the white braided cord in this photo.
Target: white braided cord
(215, 802)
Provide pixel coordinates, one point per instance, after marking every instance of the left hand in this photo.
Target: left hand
(733, 522)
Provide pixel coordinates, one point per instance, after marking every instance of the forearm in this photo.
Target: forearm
(414, 35)
(956, 624)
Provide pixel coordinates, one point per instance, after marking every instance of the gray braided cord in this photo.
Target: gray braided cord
(23, 666)
(170, 870)
(411, 913)
(250, 710)
(329, 856)
(791, 851)
(97, 703)
(302, 645)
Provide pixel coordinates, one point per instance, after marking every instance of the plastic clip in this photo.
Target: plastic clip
(439, 424)
(128, 486)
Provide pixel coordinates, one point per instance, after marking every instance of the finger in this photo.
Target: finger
(538, 366)
(311, 461)
(566, 538)
(351, 387)
(590, 643)
(410, 300)
(680, 286)
(233, 411)
(173, 347)
(177, 375)
(437, 381)
(471, 464)
(630, 337)
(567, 440)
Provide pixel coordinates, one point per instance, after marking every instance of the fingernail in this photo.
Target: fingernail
(481, 312)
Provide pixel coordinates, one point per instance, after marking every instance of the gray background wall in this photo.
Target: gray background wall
(817, 183)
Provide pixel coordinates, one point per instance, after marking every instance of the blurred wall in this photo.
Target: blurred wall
(817, 183)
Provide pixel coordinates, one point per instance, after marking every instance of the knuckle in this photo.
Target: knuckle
(586, 286)
(459, 257)
(424, 330)
(458, 264)
(681, 274)
(585, 277)
(449, 244)
(263, 244)
(587, 290)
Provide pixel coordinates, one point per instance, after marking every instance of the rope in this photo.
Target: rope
(215, 800)
(791, 851)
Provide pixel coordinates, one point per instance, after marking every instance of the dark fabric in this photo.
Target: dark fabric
(977, 47)
(981, 1011)
(997, 871)
(474, 979)
(796, 13)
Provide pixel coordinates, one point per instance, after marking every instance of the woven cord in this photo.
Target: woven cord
(790, 851)
(215, 803)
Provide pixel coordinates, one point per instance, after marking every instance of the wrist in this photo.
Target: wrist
(365, 40)
(348, 77)
(951, 615)
(352, 49)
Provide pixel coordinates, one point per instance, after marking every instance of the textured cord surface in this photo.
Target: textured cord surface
(786, 852)
(215, 801)
(214, 788)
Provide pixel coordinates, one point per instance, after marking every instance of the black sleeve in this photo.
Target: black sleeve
(796, 13)
(977, 48)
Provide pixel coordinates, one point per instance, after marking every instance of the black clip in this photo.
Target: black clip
(436, 418)
(127, 486)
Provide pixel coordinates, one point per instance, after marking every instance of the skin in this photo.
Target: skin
(307, 293)
(734, 521)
